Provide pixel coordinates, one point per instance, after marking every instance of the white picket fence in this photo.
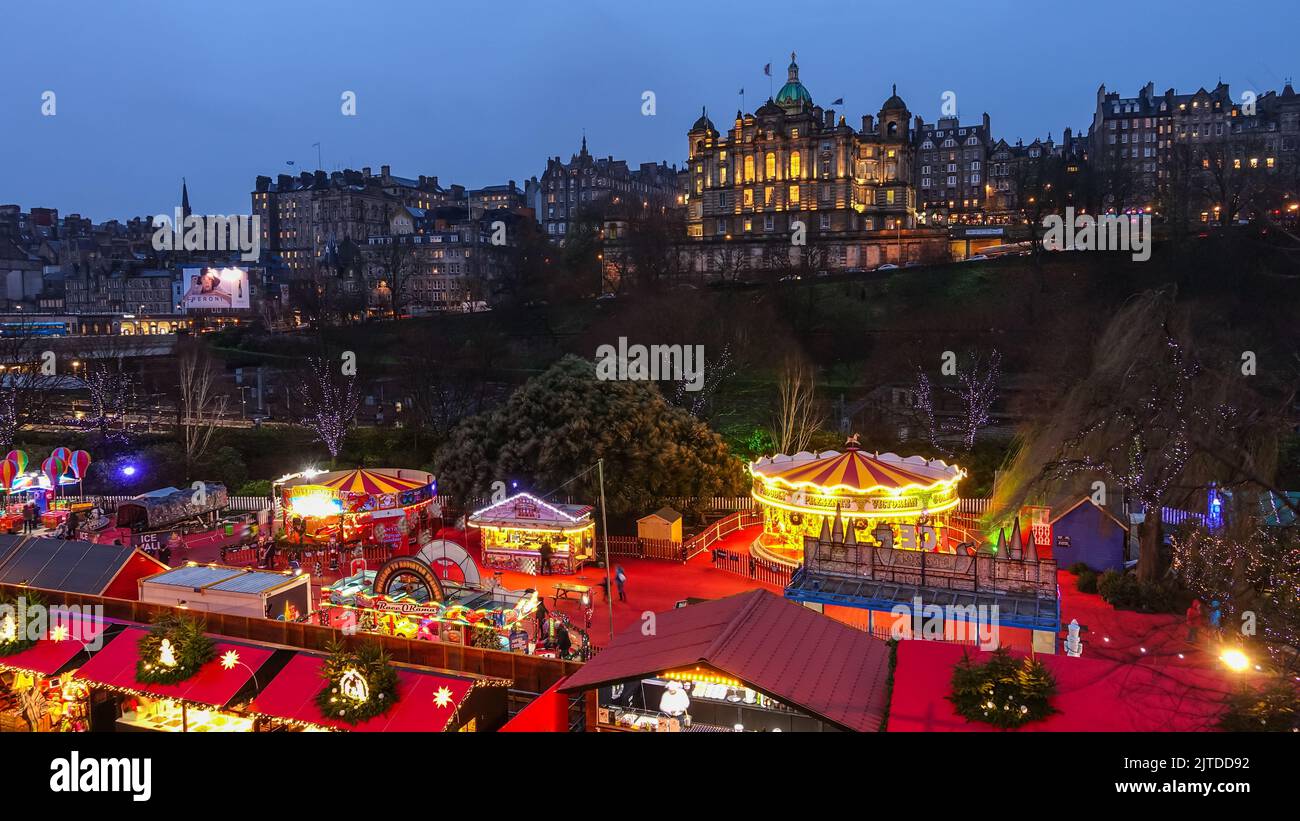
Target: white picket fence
(236, 502)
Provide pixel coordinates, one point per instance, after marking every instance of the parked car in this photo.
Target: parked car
(790, 278)
(888, 266)
(975, 258)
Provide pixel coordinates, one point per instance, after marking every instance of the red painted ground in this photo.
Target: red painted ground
(1137, 673)
(652, 585)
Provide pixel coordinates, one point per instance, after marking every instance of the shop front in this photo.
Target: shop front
(38, 691)
(423, 701)
(525, 534)
(206, 701)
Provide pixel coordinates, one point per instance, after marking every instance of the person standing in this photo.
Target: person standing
(544, 555)
(1193, 620)
(540, 617)
(620, 578)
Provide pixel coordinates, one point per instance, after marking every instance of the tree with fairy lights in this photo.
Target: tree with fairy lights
(330, 399)
(977, 388)
(1138, 426)
(1253, 569)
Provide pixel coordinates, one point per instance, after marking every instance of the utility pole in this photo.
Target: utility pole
(604, 527)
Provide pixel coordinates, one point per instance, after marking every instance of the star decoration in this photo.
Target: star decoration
(442, 698)
(59, 633)
(229, 659)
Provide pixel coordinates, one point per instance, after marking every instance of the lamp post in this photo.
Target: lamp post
(604, 526)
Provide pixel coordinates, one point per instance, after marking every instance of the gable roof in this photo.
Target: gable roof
(666, 513)
(807, 660)
(1088, 500)
(70, 567)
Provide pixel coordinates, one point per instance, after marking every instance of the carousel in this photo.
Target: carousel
(389, 507)
(888, 499)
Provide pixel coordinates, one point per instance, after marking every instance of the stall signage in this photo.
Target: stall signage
(526, 508)
(410, 566)
(153, 542)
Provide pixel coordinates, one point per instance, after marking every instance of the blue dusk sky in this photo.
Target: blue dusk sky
(478, 93)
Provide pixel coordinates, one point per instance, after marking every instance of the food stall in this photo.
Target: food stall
(37, 688)
(519, 530)
(389, 507)
(202, 702)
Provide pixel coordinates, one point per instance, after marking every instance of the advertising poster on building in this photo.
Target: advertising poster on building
(215, 289)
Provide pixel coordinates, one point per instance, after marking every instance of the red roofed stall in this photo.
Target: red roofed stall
(69, 638)
(194, 705)
(428, 702)
(752, 661)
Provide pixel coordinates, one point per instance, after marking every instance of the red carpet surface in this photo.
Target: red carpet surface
(1093, 694)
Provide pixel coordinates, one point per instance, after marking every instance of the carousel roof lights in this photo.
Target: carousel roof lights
(857, 472)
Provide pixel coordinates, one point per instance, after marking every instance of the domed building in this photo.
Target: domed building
(793, 96)
(793, 162)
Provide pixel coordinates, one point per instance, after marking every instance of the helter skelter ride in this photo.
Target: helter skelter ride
(889, 500)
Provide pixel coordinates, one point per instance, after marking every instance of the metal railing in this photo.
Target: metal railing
(713, 534)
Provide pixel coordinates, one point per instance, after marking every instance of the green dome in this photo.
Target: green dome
(793, 94)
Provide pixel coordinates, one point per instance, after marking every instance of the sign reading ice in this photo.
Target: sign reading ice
(1107, 232)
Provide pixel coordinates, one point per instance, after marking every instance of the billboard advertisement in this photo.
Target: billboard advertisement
(219, 289)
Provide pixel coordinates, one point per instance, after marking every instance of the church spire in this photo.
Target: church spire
(185, 199)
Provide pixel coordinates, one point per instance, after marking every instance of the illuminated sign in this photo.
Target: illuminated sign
(215, 289)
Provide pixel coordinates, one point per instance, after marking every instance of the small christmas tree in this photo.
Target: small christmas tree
(173, 651)
(358, 685)
(1002, 691)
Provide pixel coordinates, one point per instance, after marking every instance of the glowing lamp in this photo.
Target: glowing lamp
(129, 470)
(1236, 660)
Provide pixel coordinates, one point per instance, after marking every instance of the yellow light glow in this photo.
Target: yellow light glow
(59, 633)
(1235, 659)
(847, 514)
(229, 659)
(443, 697)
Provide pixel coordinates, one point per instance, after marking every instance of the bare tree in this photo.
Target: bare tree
(330, 399)
(798, 416)
(200, 407)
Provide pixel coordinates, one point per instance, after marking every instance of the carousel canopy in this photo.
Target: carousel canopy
(855, 471)
(374, 481)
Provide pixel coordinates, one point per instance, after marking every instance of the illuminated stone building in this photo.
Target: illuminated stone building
(791, 164)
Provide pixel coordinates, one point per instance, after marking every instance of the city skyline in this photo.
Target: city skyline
(215, 123)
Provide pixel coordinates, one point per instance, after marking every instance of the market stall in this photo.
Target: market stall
(752, 662)
(421, 700)
(199, 700)
(525, 534)
(37, 688)
(238, 591)
(390, 508)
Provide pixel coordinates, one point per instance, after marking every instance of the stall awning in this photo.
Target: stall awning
(68, 634)
(213, 684)
(426, 703)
